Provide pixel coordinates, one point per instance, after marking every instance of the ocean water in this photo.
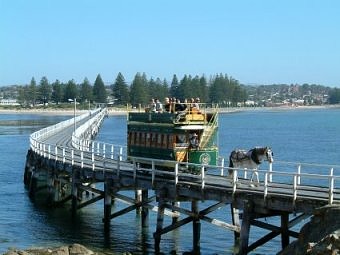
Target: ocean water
(310, 136)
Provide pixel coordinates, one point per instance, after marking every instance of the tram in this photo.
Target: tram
(188, 136)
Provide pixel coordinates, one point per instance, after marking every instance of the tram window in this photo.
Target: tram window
(136, 138)
(154, 140)
(142, 139)
(159, 140)
(164, 140)
(171, 141)
(148, 139)
(132, 138)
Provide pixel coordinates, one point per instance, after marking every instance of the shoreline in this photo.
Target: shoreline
(115, 112)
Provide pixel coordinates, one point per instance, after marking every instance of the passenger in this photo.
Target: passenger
(194, 141)
(197, 102)
(167, 105)
(152, 105)
(159, 106)
(179, 107)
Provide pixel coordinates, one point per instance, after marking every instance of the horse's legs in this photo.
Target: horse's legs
(254, 172)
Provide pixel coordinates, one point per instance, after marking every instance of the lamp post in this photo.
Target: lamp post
(74, 113)
(75, 126)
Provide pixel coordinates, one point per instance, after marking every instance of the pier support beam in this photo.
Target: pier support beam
(145, 210)
(74, 191)
(284, 230)
(248, 215)
(160, 220)
(107, 204)
(235, 217)
(196, 228)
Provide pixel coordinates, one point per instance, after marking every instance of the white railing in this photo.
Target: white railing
(291, 179)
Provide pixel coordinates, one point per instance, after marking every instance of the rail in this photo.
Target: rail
(289, 179)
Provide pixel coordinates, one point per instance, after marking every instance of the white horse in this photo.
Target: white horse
(250, 159)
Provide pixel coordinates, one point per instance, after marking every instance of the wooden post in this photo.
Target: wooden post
(175, 213)
(107, 204)
(145, 210)
(248, 215)
(284, 230)
(74, 191)
(138, 200)
(235, 220)
(32, 186)
(160, 219)
(196, 228)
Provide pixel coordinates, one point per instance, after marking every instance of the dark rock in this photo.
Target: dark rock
(320, 236)
(74, 249)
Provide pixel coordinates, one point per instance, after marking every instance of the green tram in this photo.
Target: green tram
(186, 137)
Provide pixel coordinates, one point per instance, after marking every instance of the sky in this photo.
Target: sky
(255, 42)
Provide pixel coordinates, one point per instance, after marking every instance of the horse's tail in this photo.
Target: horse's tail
(231, 164)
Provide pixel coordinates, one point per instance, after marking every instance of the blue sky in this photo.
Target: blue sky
(256, 42)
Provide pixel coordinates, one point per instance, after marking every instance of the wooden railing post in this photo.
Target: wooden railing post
(222, 167)
(64, 155)
(295, 183)
(176, 174)
(299, 175)
(82, 159)
(331, 186)
(270, 172)
(203, 177)
(234, 180)
(92, 160)
(265, 192)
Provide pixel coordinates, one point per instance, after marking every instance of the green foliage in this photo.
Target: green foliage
(121, 91)
(71, 91)
(85, 92)
(99, 90)
(45, 90)
(57, 92)
(139, 93)
(334, 96)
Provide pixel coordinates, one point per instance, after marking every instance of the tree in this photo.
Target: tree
(121, 90)
(71, 91)
(334, 96)
(138, 90)
(57, 92)
(45, 90)
(85, 92)
(33, 92)
(174, 91)
(99, 91)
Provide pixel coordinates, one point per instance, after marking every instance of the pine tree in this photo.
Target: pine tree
(45, 90)
(138, 91)
(174, 91)
(71, 91)
(121, 90)
(99, 90)
(33, 92)
(57, 92)
(86, 91)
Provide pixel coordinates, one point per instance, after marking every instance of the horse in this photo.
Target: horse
(250, 159)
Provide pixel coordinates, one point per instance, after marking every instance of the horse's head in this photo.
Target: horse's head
(269, 155)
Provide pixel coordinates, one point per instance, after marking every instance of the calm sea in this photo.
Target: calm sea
(311, 136)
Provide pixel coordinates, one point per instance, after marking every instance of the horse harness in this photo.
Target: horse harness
(252, 154)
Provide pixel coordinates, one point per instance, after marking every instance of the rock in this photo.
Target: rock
(320, 236)
(74, 249)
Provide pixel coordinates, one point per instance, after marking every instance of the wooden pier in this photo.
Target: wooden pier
(63, 165)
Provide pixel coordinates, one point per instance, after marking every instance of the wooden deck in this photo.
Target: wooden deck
(66, 164)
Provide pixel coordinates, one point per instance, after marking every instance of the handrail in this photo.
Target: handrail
(294, 180)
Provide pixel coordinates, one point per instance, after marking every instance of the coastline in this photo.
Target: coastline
(117, 111)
